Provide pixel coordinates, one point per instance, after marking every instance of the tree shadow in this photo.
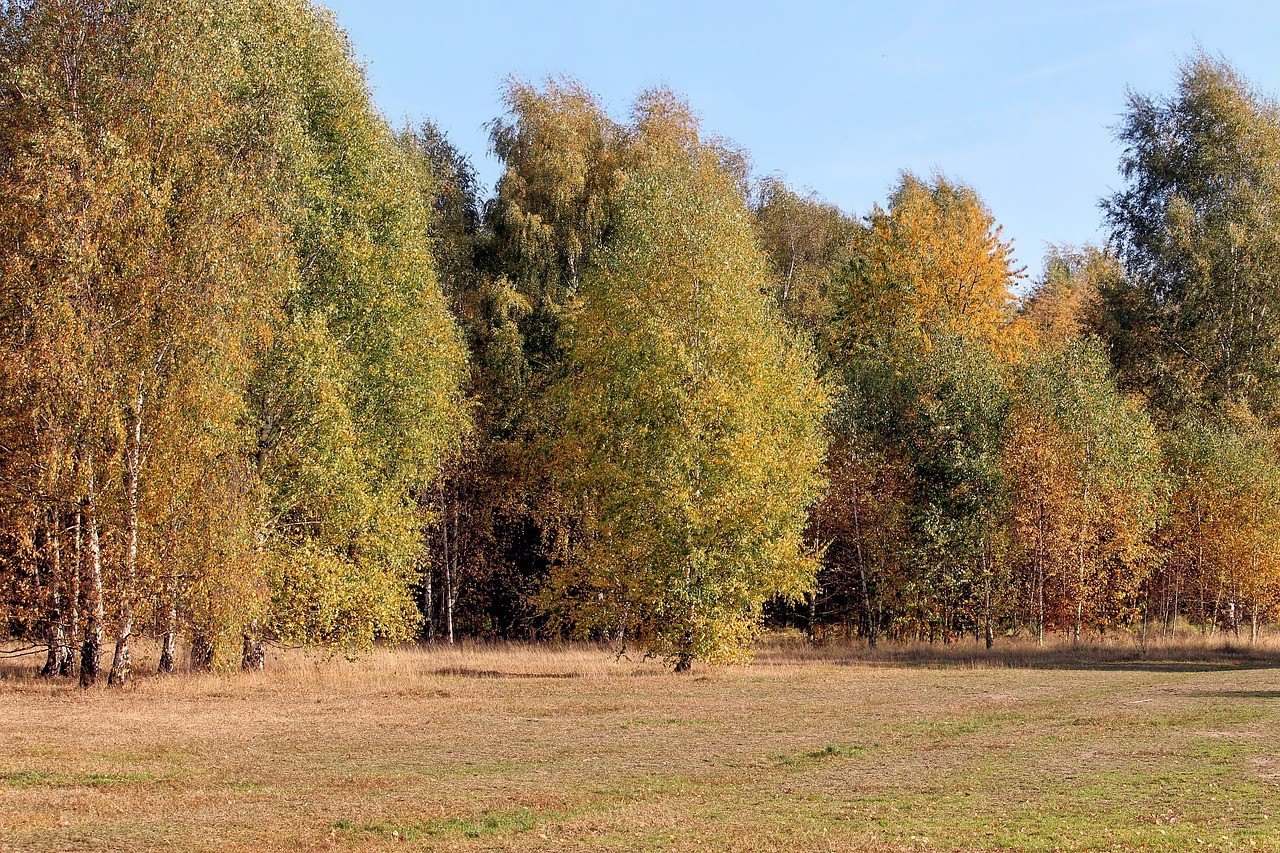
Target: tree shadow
(1118, 657)
(1237, 694)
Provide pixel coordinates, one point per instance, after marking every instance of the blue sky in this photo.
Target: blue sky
(1016, 99)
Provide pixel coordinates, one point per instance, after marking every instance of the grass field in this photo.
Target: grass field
(566, 748)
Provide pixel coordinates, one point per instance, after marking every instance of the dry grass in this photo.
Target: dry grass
(566, 747)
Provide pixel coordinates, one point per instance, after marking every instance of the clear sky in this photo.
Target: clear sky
(1016, 99)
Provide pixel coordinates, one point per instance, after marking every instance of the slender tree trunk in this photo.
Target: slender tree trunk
(56, 638)
(448, 595)
(448, 565)
(1075, 639)
(455, 554)
(1217, 606)
(169, 642)
(1146, 618)
(73, 619)
(253, 655)
(122, 662)
(868, 616)
(448, 604)
(986, 571)
(95, 614)
(429, 600)
(1039, 560)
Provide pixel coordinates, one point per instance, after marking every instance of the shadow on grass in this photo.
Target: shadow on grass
(1118, 655)
(469, 672)
(1238, 694)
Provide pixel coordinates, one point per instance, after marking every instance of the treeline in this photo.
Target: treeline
(275, 372)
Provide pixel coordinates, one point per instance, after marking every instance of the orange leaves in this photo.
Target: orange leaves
(934, 264)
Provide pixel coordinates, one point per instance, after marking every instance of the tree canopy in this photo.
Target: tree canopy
(275, 372)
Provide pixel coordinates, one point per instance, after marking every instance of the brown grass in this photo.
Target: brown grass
(510, 747)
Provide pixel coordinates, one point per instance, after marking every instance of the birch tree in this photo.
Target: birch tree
(691, 437)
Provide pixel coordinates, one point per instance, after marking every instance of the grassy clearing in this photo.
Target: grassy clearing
(551, 747)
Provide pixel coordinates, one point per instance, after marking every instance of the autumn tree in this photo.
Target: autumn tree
(358, 402)
(932, 264)
(1196, 228)
(691, 436)
(1222, 534)
(1083, 467)
(1067, 302)
(225, 350)
(550, 217)
(805, 241)
(141, 248)
(923, 322)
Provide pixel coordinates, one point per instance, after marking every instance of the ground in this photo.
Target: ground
(569, 748)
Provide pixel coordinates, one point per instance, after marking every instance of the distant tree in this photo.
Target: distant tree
(1223, 531)
(806, 240)
(923, 320)
(1197, 227)
(550, 218)
(1083, 468)
(1066, 304)
(931, 265)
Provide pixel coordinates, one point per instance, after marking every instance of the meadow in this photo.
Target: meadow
(510, 747)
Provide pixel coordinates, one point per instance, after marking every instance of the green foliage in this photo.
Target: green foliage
(230, 338)
(358, 404)
(806, 242)
(691, 434)
(1085, 469)
(1223, 530)
(269, 369)
(1197, 317)
(319, 598)
(922, 320)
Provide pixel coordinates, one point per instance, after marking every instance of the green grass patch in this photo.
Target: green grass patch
(45, 779)
(831, 750)
(486, 824)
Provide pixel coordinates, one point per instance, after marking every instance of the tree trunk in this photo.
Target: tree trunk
(169, 643)
(53, 664)
(1039, 562)
(253, 656)
(95, 611)
(202, 651)
(990, 629)
(1080, 587)
(868, 616)
(122, 662)
(73, 619)
(448, 599)
(448, 563)
(428, 601)
(1253, 624)
(454, 554)
(1217, 606)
